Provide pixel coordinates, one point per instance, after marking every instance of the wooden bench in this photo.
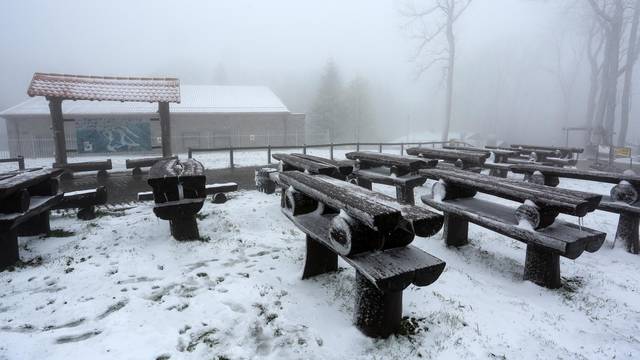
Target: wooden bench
(138, 164)
(398, 171)
(217, 192)
(534, 222)
(499, 166)
(25, 200)
(85, 201)
(179, 193)
(372, 233)
(267, 178)
(623, 198)
(100, 166)
(561, 151)
(463, 159)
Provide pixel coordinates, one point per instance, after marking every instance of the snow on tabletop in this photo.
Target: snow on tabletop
(79, 192)
(121, 288)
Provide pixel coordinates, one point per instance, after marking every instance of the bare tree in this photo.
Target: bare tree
(632, 57)
(428, 24)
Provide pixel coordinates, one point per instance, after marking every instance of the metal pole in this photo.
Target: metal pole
(380, 147)
(189, 153)
(304, 149)
(358, 146)
(231, 157)
(21, 162)
(331, 151)
(401, 149)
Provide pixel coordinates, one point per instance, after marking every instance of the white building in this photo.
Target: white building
(207, 117)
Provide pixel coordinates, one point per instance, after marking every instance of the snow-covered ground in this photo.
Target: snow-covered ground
(119, 287)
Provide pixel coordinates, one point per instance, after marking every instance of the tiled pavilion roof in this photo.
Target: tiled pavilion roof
(105, 88)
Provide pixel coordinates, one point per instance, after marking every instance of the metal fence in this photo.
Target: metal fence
(331, 147)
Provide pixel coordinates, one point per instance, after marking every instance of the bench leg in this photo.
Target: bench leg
(38, 224)
(627, 232)
(219, 198)
(542, 267)
(320, 259)
(8, 249)
(365, 183)
(404, 195)
(377, 314)
(184, 229)
(88, 213)
(456, 230)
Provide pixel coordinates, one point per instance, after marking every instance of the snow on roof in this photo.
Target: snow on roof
(194, 99)
(105, 88)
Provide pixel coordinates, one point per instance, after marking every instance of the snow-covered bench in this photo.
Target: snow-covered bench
(534, 222)
(137, 164)
(100, 166)
(267, 178)
(467, 160)
(85, 201)
(25, 200)
(394, 170)
(623, 198)
(179, 193)
(372, 233)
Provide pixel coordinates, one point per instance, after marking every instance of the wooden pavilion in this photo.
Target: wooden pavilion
(59, 87)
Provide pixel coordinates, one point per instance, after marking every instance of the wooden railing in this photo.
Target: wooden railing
(330, 146)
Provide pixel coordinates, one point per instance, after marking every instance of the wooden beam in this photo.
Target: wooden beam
(165, 128)
(57, 125)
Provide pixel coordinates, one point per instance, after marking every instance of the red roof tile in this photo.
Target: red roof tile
(105, 88)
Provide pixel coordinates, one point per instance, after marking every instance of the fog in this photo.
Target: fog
(510, 56)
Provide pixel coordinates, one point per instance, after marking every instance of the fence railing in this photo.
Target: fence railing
(330, 146)
(18, 159)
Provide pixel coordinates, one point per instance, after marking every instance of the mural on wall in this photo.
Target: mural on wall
(100, 135)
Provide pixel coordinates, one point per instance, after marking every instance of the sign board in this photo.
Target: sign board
(113, 134)
(623, 152)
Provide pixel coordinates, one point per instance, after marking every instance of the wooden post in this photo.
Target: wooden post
(331, 151)
(165, 128)
(404, 195)
(189, 153)
(304, 149)
(319, 260)
(269, 154)
(377, 314)
(57, 124)
(358, 146)
(380, 148)
(20, 163)
(456, 230)
(231, 157)
(627, 232)
(401, 149)
(9, 249)
(542, 267)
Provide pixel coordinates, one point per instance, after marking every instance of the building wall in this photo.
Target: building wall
(32, 136)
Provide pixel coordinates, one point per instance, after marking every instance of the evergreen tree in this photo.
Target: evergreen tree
(328, 108)
(358, 109)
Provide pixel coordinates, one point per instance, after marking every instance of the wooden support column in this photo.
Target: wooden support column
(456, 230)
(165, 128)
(8, 248)
(319, 260)
(57, 125)
(542, 267)
(377, 314)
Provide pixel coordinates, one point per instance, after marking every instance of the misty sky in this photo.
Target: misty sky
(506, 53)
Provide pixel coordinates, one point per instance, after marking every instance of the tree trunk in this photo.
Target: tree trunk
(450, 71)
(628, 76)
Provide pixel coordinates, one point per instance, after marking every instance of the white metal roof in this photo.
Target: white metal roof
(194, 99)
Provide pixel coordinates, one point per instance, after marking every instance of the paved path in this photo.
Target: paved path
(122, 187)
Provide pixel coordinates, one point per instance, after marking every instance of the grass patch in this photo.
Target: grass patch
(410, 326)
(201, 216)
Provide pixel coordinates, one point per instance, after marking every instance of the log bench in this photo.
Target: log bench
(178, 193)
(561, 151)
(398, 171)
(623, 198)
(468, 160)
(138, 164)
(217, 192)
(85, 201)
(372, 233)
(267, 178)
(534, 222)
(499, 166)
(100, 166)
(26, 198)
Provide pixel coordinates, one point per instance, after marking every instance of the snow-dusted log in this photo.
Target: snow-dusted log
(398, 165)
(443, 191)
(298, 203)
(349, 236)
(17, 202)
(468, 158)
(625, 193)
(290, 162)
(627, 232)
